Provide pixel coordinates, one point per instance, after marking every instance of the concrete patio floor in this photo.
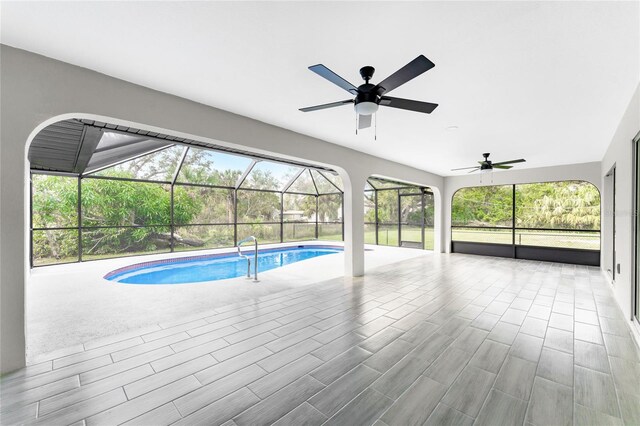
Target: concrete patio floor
(68, 305)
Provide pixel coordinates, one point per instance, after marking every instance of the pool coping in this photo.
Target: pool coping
(134, 266)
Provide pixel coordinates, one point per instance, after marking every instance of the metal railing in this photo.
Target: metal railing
(255, 261)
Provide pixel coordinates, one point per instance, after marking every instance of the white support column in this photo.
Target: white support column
(353, 224)
(439, 228)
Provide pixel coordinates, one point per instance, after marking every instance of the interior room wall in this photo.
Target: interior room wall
(37, 91)
(620, 154)
(589, 172)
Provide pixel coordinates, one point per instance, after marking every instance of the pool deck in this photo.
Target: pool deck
(68, 305)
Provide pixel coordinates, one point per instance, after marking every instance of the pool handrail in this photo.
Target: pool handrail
(255, 262)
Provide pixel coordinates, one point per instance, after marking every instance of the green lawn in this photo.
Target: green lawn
(388, 236)
(566, 239)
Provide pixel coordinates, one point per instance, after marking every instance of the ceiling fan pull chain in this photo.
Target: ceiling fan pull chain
(375, 128)
(356, 124)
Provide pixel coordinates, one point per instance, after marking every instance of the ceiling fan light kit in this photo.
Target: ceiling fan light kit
(369, 97)
(366, 108)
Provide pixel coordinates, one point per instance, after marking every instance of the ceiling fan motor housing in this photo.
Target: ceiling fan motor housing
(367, 100)
(367, 94)
(486, 165)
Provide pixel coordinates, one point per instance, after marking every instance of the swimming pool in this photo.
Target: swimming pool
(196, 269)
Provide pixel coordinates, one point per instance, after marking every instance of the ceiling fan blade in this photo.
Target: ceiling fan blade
(476, 169)
(521, 160)
(364, 121)
(325, 72)
(465, 168)
(410, 71)
(500, 166)
(408, 104)
(325, 106)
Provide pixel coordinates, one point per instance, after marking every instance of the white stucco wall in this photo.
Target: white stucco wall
(620, 155)
(37, 91)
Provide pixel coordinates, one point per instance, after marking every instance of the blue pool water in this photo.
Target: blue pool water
(215, 267)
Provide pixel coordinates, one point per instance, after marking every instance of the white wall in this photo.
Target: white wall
(37, 91)
(589, 172)
(620, 154)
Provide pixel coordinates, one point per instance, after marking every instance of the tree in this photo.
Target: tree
(122, 214)
(55, 205)
(557, 205)
(369, 206)
(330, 208)
(388, 206)
(482, 206)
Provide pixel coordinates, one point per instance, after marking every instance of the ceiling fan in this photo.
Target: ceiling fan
(368, 96)
(487, 165)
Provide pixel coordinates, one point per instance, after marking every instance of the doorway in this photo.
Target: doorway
(609, 243)
(411, 220)
(635, 297)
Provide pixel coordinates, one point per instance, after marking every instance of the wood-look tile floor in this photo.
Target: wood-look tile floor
(448, 339)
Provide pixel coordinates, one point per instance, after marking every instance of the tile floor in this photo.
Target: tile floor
(70, 304)
(448, 339)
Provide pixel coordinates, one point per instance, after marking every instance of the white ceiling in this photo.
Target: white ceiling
(547, 81)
